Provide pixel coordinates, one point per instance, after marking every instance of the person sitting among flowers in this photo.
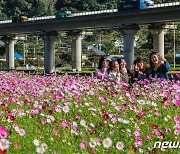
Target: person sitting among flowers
(138, 70)
(159, 66)
(102, 71)
(123, 69)
(114, 73)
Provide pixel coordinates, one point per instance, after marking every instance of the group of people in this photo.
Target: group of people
(116, 70)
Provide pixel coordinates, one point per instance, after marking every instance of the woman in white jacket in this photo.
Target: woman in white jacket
(114, 73)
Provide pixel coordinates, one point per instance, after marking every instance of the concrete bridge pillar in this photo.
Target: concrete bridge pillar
(158, 38)
(49, 54)
(128, 32)
(9, 46)
(76, 49)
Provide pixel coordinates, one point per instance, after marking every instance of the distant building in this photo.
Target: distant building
(1, 43)
(97, 49)
(115, 56)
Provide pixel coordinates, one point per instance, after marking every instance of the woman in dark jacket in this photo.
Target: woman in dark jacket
(138, 71)
(159, 66)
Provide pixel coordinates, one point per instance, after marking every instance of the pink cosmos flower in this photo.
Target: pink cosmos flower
(57, 108)
(74, 128)
(177, 119)
(55, 131)
(138, 141)
(83, 144)
(168, 130)
(102, 99)
(43, 121)
(118, 108)
(35, 111)
(148, 136)
(11, 117)
(119, 145)
(10, 100)
(137, 133)
(64, 124)
(114, 120)
(142, 112)
(21, 132)
(176, 102)
(3, 132)
(157, 113)
(132, 107)
(156, 132)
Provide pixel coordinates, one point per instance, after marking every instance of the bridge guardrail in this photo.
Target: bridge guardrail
(94, 12)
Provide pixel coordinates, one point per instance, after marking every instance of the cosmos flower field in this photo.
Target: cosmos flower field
(69, 114)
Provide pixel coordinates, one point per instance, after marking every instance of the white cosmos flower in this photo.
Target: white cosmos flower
(40, 150)
(119, 145)
(92, 144)
(51, 117)
(42, 114)
(66, 109)
(4, 144)
(154, 104)
(141, 150)
(87, 104)
(44, 145)
(107, 142)
(74, 123)
(48, 120)
(36, 142)
(126, 121)
(149, 115)
(83, 123)
(92, 109)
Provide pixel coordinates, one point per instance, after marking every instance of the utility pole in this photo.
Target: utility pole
(174, 34)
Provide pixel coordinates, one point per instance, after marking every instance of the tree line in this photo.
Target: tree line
(49, 7)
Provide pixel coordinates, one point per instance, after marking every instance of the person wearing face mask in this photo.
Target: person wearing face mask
(123, 69)
(102, 71)
(159, 66)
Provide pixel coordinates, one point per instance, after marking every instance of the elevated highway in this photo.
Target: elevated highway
(94, 21)
(155, 17)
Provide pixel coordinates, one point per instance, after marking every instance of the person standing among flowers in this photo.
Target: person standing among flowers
(102, 71)
(123, 69)
(159, 66)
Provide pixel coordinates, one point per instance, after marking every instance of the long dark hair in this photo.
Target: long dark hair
(101, 61)
(150, 61)
(112, 65)
(139, 60)
(119, 60)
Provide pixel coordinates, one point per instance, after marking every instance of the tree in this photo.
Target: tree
(17, 7)
(2, 14)
(45, 7)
